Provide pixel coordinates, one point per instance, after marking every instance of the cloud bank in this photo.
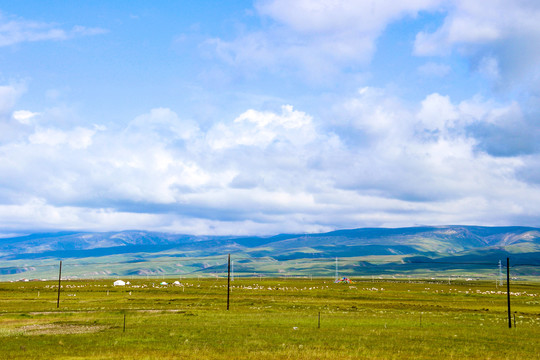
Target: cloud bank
(272, 171)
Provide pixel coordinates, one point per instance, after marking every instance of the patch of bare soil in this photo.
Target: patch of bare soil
(61, 329)
(161, 311)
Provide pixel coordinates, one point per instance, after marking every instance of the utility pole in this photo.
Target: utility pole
(59, 284)
(508, 291)
(336, 269)
(228, 282)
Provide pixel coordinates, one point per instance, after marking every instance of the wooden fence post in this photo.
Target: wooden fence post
(508, 291)
(59, 284)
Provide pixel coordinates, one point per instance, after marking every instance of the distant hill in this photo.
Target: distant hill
(365, 250)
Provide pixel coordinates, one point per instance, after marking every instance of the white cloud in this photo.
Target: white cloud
(478, 22)
(376, 113)
(437, 112)
(37, 213)
(260, 129)
(428, 155)
(165, 123)
(328, 16)
(14, 31)
(499, 37)
(317, 37)
(24, 116)
(322, 40)
(271, 171)
(78, 138)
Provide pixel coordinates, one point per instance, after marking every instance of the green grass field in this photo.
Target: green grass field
(268, 319)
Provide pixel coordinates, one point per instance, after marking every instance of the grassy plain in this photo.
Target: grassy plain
(268, 319)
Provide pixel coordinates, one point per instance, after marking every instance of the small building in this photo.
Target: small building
(119, 283)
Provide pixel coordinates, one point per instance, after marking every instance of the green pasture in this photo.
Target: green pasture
(268, 319)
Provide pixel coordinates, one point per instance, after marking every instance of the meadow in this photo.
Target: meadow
(268, 319)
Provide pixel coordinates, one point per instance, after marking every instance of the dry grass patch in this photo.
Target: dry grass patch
(61, 329)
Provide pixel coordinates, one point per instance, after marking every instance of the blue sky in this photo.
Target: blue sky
(268, 116)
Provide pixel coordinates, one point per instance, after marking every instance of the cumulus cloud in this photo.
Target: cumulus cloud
(273, 171)
(78, 138)
(250, 170)
(472, 22)
(320, 16)
(320, 40)
(437, 113)
(494, 36)
(431, 153)
(260, 129)
(315, 37)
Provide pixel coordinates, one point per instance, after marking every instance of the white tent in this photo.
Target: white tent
(177, 283)
(119, 283)
(163, 283)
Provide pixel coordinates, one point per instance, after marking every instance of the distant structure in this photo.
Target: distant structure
(500, 274)
(337, 277)
(119, 283)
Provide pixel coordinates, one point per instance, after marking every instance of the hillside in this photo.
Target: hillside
(366, 251)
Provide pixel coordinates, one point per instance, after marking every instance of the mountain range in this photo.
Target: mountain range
(366, 251)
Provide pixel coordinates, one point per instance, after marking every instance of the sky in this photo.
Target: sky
(268, 116)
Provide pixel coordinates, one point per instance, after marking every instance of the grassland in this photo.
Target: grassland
(268, 319)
